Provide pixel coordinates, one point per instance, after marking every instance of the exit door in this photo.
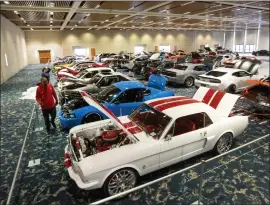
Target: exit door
(44, 56)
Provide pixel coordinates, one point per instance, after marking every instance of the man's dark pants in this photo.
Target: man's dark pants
(46, 113)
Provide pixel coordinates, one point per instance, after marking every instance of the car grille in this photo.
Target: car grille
(169, 73)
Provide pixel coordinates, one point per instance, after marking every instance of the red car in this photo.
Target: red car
(67, 71)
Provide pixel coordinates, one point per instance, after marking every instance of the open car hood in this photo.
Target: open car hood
(91, 101)
(195, 55)
(157, 81)
(221, 101)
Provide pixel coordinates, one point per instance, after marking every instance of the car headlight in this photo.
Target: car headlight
(67, 115)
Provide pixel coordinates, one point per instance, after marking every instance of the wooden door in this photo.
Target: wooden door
(44, 56)
(93, 53)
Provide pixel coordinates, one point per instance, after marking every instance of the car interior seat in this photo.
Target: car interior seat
(183, 126)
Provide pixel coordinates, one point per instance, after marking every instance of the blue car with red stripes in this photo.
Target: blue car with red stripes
(121, 98)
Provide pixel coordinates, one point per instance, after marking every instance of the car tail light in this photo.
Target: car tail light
(215, 81)
(67, 160)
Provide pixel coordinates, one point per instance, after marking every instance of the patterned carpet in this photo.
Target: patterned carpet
(242, 181)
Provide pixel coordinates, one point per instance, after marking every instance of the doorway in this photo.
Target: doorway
(164, 48)
(80, 51)
(44, 56)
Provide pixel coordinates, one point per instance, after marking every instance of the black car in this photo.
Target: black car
(154, 66)
(261, 53)
(139, 63)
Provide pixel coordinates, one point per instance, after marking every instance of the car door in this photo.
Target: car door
(244, 76)
(186, 138)
(128, 101)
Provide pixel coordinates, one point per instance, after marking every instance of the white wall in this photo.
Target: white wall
(218, 38)
(14, 47)
(264, 39)
(229, 40)
(61, 42)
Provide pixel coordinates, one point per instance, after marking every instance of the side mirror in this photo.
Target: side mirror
(168, 137)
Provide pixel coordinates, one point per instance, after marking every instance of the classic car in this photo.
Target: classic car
(139, 63)
(184, 73)
(193, 57)
(225, 79)
(112, 154)
(96, 84)
(258, 93)
(82, 77)
(153, 66)
(121, 98)
(261, 53)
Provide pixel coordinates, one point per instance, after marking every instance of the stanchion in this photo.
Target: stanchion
(33, 161)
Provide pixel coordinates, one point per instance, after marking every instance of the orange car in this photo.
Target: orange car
(258, 93)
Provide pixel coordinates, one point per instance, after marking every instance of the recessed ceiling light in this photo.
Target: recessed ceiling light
(115, 26)
(16, 12)
(80, 22)
(22, 18)
(238, 9)
(24, 21)
(187, 13)
(133, 26)
(95, 25)
(50, 24)
(187, 3)
(131, 8)
(151, 21)
(89, 29)
(6, 2)
(88, 14)
(107, 20)
(31, 29)
(97, 6)
(116, 15)
(163, 11)
(72, 28)
(28, 25)
(143, 17)
(52, 4)
(76, 25)
(162, 24)
(102, 22)
(51, 21)
(50, 28)
(125, 23)
(109, 28)
(51, 13)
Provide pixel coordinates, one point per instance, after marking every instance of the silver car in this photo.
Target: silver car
(184, 73)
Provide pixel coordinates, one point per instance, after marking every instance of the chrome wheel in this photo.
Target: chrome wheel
(121, 181)
(189, 82)
(231, 89)
(224, 143)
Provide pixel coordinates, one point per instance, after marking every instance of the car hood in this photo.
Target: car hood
(222, 102)
(73, 104)
(157, 81)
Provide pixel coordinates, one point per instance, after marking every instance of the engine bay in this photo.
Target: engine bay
(99, 140)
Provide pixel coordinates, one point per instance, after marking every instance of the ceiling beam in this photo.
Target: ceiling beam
(137, 13)
(244, 5)
(73, 9)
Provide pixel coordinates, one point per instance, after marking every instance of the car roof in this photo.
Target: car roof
(125, 85)
(175, 108)
(112, 74)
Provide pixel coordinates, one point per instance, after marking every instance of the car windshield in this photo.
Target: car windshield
(180, 67)
(150, 120)
(81, 74)
(95, 79)
(215, 73)
(106, 95)
(267, 80)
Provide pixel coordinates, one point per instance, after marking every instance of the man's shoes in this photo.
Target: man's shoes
(54, 125)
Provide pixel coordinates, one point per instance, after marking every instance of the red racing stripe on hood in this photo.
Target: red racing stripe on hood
(208, 96)
(216, 100)
(174, 104)
(134, 130)
(158, 102)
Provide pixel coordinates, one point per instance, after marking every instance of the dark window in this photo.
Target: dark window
(122, 78)
(133, 95)
(215, 73)
(199, 68)
(106, 81)
(146, 92)
(190, 123)
(105, 71)
(91, 74)
(240, 74)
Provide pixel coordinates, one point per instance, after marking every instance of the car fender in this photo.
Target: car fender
(120, 167)
(82, 112)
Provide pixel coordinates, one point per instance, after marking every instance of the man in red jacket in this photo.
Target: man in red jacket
(46, 97)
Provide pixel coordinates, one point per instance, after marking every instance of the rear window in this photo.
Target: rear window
(180, 67)
(215, 73)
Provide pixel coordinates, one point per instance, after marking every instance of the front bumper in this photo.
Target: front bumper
(82, 185)
(215, 86)
(68, 123)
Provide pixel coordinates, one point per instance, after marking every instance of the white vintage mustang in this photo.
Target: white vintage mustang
(111, 154)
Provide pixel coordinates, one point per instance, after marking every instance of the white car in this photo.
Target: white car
(226, 79)
(112, 154)
(82, 77)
